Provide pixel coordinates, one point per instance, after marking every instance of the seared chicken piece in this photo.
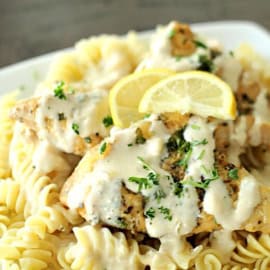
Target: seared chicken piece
(246, 95)
(133, 213)
(71, 123)
(131, 209)
(182, 40)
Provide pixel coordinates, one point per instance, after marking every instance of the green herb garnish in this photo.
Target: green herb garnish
(172, 33)
(59, 91)
(151, 179)
(107, 121)
(175, 141)
(178, 189)
(88, 139)
(166, 212)
(201, 155)
(195, 142)
(184, 161)
(231, 53)
(150, 213)
(178, 58)
(233, 173)
(206, 64)
(205, 181)
(103, 148)
(147, 115)
(61, 116)
(130, 144)
(121, 222)
(76, 127)
(159, 194)
(143, 182)
(196, 127)
(152, 175)
(199, 44)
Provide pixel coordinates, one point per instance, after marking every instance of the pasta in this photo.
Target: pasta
(6, 123)
(77, 192)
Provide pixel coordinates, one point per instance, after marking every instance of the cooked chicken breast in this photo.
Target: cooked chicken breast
(63, 118)
(143, 181)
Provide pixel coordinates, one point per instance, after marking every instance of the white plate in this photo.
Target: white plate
(25, 75)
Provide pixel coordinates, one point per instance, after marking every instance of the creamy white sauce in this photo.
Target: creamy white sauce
(87, 110)
(223, 242)
(47, 159)
(103, 199)
(231, 69)
(238, 139)
(122, 162)
(218, 203)
(261, 115)
(160, 53)
(202, 155)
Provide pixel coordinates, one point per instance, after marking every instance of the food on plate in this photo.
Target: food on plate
(139, 153)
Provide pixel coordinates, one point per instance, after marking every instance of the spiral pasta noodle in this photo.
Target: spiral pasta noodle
(6, 125)
(95, 247)
(23, 249)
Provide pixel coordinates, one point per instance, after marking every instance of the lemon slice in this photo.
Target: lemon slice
(197, 92)
(126, 94)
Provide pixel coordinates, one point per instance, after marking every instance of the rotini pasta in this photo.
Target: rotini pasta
(6, 125)
(97, 248)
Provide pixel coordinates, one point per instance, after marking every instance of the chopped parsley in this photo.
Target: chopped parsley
(166, 212)
(61, 116)
(233, 173)
(206, 64)
(88, 139)
(150, 213)
(139, 137)
(159, 194)
(201, 155)
(107, 121)
(178, 189)
(196, 127)
(143, 182)
(231, 53)
(151, 179)
(76, 128)
(195, 142)
(177, 143)
(152, 175)
(102, 148)
(205, 181)
(130, 144)
(121, 222)
(199, 44)
(172, 33)
(178, 58)
(147, 115)
(59, 91)
(184, 161)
